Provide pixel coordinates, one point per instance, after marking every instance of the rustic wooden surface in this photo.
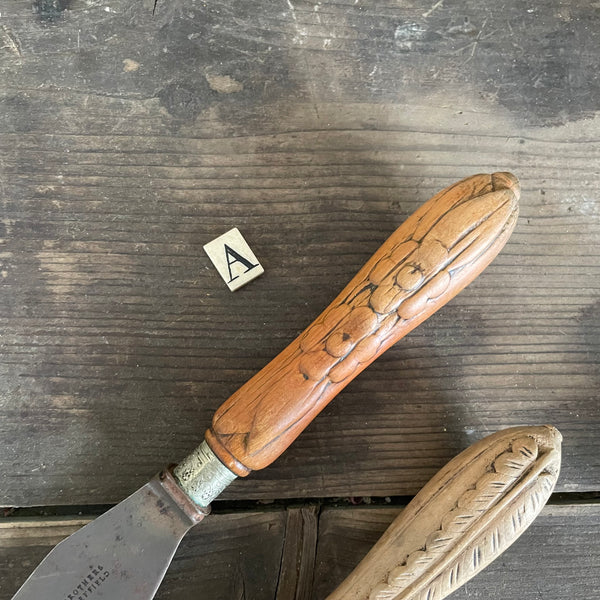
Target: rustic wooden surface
(131, 137)
(242, 556)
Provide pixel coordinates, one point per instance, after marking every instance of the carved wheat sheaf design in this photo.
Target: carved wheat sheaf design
(415, 272)
(427, 261)
(492, 543)
(451, 543)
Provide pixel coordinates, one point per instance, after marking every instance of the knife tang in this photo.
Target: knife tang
(433, 255)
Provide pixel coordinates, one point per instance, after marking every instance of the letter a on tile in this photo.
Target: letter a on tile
(233, 258)
(232, 254)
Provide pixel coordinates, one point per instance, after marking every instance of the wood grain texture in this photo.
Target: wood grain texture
(237, 556)
(299, 553)
(431, 257)
(566, 534)
(118, 341)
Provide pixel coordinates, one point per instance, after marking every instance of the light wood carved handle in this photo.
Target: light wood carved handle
(433, 255)
(463, 519)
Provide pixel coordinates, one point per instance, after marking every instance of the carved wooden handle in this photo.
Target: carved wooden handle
(463, 519)
(433, 255)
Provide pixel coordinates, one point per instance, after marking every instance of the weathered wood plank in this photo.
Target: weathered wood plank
(229, 556)
(555, 559)
(117, 339)
(298, 560)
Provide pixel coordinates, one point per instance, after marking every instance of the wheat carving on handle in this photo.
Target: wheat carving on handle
(489, 489)
(431, 257)
(490, 494)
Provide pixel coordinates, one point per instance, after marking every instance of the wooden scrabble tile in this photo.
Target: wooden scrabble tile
(233, 258)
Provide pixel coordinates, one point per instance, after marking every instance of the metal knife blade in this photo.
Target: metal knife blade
(123, 554)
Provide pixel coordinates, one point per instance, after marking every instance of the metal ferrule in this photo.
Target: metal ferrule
(202, 476)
